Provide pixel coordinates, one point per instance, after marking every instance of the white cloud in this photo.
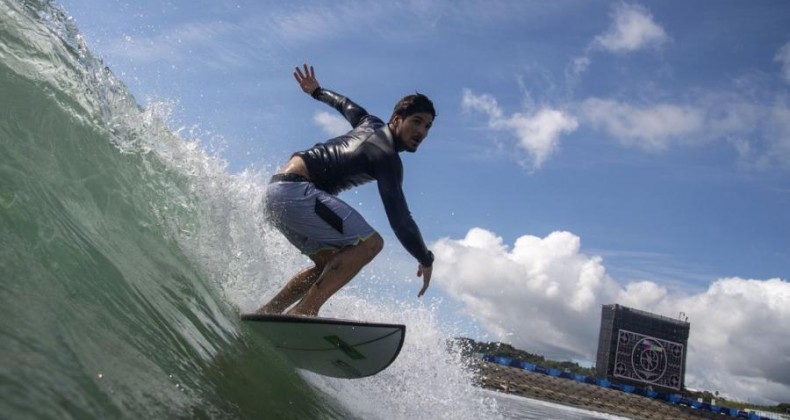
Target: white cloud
(331, 123)
(760, 133)
(578, 66)
(544, 295)
(574, 70)
(484, 103)
(543, 291)
(538, 132)
(651, 127)
(632, 29)
(783, 56)
(740, 336)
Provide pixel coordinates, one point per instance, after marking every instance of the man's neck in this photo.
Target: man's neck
(396, 141)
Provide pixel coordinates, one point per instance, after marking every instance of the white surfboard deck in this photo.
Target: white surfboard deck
(331, 347)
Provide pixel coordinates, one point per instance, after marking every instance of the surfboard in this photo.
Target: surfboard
(331, 347)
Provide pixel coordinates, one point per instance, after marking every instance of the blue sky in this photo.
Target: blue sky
(636, 152)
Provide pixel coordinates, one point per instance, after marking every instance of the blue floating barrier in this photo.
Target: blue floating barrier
(554, 372)
(528, 366)
(579, 378)
(604, 383)
(629, 389)
(673, 398)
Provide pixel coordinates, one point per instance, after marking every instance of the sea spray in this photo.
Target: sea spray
(428, 380)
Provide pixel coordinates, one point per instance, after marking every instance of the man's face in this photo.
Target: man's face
(412, 130)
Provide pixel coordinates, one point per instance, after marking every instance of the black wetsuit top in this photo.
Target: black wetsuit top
(368, 152)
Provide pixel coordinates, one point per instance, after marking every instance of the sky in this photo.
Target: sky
(584, 152)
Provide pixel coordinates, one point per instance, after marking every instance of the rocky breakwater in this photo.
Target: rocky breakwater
(578, 394)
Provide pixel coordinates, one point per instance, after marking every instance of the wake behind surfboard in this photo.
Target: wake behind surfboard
(331, 347)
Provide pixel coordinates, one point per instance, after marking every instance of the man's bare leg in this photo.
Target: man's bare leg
(339, 270)
(293, 291)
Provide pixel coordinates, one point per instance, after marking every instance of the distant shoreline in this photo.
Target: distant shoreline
(511, 380)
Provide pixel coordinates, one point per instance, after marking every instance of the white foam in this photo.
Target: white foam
(428, 380)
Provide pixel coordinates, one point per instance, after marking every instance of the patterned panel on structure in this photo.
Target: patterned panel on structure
(649, 360)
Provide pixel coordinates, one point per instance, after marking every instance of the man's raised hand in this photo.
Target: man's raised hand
(306, 80)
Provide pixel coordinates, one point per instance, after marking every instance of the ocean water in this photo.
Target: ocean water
(127, 252)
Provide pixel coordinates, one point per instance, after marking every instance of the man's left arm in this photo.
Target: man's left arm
(405, 228)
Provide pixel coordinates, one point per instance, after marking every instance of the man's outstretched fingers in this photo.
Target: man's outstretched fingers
(425, 273)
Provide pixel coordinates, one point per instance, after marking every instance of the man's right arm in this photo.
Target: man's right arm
(354, 113)
(307, 81)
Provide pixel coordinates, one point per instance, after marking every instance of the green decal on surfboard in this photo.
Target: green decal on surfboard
(342, 345)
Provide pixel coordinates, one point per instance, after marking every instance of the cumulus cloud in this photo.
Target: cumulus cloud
(543, 291)
(545, 295)
(632, 29)
(651, 127)
(537, 131)
(331, 123)
(783, 56)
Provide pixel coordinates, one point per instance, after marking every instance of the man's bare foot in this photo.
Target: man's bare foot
(296, 311)
(267, 310)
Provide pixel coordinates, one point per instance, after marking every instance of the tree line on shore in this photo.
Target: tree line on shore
(470, 348)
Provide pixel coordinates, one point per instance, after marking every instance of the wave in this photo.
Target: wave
(128, 251)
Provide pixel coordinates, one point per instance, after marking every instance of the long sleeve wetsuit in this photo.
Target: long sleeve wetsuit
(368, 152)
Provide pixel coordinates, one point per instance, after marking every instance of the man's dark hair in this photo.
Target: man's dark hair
(413, 104)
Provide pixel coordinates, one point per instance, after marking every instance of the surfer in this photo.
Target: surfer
(301, 199)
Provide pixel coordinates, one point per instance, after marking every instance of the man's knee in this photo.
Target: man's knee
(374, 244)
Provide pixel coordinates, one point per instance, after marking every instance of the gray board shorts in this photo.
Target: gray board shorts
(311, 219)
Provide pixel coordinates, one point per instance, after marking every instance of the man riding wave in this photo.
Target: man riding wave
(301, 199)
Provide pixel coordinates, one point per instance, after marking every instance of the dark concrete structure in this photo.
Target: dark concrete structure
(642, 349)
